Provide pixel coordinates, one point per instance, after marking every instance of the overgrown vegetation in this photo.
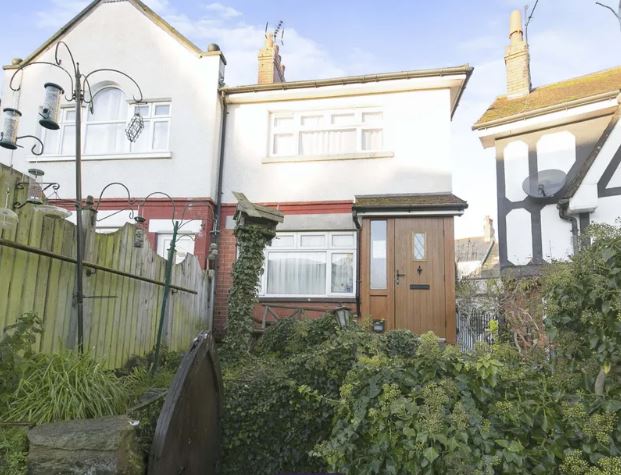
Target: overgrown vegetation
(37, 388)
(313, 397)
(251, 241)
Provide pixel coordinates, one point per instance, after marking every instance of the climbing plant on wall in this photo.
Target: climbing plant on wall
(251, 241)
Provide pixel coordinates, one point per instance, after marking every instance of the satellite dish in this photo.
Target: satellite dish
(544, 184)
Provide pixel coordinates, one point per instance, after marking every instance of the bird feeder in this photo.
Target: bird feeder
(134, 128)
(139, 235)
(8, 136)
(51, 106)
(51, 211)
(8, 219)
(35, 191)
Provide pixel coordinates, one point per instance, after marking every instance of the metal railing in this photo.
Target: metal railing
(473, 320)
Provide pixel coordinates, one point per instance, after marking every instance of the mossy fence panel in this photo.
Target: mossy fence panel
(123, 283)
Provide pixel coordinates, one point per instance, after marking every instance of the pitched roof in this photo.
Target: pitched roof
(560, 95)
(416, 201)
(472, 248)
(572, 187)
(158, 20)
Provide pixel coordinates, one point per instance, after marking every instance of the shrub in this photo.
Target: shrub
(583, 305)
(15, 350)
(66, 386)
(447, 412)
(13, 451)
(278, 402)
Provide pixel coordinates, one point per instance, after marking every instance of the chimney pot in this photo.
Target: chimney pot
(270, 68)
(517, 59)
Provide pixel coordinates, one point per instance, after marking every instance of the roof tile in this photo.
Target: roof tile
(556, 94)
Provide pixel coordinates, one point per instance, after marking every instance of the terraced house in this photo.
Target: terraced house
(557, 158)
(360, 166)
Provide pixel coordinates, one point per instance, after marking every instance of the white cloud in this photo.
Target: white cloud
(223, 11)
(59, 13)
(303, 57)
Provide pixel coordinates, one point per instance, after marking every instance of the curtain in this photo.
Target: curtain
(342, 273)
(296, 273)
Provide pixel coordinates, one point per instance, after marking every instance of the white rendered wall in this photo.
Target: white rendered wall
(556, 151)
(515, 157)
(608, 210)
(585, 199)
(416, 130)
(117, 35)
(519, 237)
(556, 239)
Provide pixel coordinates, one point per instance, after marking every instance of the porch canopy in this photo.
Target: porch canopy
(415, 204)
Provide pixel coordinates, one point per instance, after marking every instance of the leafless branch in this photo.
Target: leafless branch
(617, 14)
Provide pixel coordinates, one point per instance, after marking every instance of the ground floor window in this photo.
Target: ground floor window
(310, 264)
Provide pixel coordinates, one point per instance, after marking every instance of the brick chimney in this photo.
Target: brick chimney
(489, 234)
(270, 68)
(517, 59)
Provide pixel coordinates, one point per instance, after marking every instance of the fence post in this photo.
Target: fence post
(89, 236)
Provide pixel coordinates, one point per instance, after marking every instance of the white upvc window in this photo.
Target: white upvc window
(184, 245)
(310, 264)
(104, 129)
(326, 133)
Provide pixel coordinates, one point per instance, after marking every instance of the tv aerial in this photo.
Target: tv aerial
(544, 184)
(279, 30)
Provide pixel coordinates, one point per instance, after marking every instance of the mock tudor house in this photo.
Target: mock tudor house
(557, 158)
(359, 166)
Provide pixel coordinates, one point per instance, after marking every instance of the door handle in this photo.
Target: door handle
(397, 275)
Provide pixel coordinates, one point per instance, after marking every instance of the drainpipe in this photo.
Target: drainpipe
(215, 232)
(563, 206)
(358, 272)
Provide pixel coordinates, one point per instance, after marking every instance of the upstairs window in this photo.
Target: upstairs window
(104, 129)
(105, 126)
(326, 133)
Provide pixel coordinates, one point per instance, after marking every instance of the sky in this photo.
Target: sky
(327, 38)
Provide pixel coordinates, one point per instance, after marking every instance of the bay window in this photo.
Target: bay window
(310, 264)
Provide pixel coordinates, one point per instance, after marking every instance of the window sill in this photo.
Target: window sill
(323, 158)
(120, 156)
(330, 299)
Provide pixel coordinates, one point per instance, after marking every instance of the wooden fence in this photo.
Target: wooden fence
(123, 284)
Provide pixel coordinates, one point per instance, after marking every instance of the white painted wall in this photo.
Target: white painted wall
(586, 198)
(516, 169)
(608, 211)
(519, 237)
(556, 239)
(556, 151)
(416, 131)
(117, 35)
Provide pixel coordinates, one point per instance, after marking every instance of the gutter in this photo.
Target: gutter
(482, 126)
(423, 73)
(562, 206)
(215, 232)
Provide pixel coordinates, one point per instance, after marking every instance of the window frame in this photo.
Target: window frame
(297, 128)
(131, 106)
(328, 249)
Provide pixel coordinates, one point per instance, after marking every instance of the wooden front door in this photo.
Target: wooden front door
(420, 268)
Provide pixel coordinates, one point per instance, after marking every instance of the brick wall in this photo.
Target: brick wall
(228, 253)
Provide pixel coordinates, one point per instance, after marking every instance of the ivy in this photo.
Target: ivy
(251, 241)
